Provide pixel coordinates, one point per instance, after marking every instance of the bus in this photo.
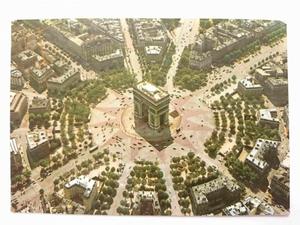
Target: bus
(246, 60)
(94, 148)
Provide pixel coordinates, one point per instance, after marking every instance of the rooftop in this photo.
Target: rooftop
(40, 72)
(249, 83)
(61, 79)
(60, 63)
(268, 114)
(152, 91)
(118, 53)
(16, 98)
(278, 81)
(12, 96)
(194, 55)
(36, 138)
(13, 146)
(38, 102)
(262, 72)
(27, 54)
(257, 207)
(153, 50)
(16, 73)
(256, 156)
(249, 206)
(149, 30)
(111, 26)
(236, 209)
(282, 176)
(83, 182)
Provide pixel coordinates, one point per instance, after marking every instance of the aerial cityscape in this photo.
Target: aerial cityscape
(172, 117)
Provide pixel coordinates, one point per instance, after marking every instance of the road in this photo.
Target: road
(130, 52)
(184, 35)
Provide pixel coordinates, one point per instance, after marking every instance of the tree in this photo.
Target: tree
(27, 174)
(41, 191)
(191, 155)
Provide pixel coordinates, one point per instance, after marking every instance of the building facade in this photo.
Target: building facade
(274, 86)
(280, 187)
(151, 104)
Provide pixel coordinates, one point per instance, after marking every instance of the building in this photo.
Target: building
(60, 66)
(18, 107)
(276, 89)
(63, 83)
(200, 61)
(237, 209)
(108, 26)
(40, 76)
(149, 32)
(16, 164)
(151, 104)
(257, 206)
(217, 42)
(110, 61)
(26, 59)
(249, 206)
(80, 38)
(280, 186)
(82, 190)
(247, 87)
(261, 75)
(268, 117)
(16, 79)
(37, 145)
(261, 155)
(214, 195)
(18, 40)
(39, 105)
(146, 203)
(285, 163)
(153, 52)
(22, 38)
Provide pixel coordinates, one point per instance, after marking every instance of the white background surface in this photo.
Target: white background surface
(286, 11)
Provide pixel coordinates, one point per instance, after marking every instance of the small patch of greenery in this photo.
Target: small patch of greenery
(119, 79)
